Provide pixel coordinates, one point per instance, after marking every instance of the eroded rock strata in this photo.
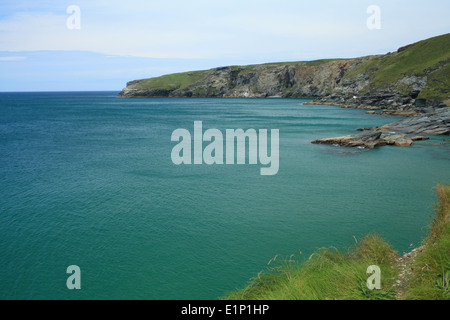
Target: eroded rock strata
(402, 133)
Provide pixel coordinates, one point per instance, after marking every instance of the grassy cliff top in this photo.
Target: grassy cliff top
(173, 81)
(331, 274)
(422, 58)
(184, 79)
(421, 68)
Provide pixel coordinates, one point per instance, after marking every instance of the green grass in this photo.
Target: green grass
(419, 59)
(429, 58)
(432, 279)
(331, 274)
(184, 79)
(321, 61)
(328, 274)
(254, 67)
(173, 81)
(438, 85)
(307, 63)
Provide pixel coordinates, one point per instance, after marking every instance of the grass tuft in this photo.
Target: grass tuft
(332, 274)
(431, 277)
(328, 274)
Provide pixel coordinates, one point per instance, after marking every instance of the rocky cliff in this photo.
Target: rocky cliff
(414, 78)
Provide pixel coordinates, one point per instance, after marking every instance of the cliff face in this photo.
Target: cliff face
(415, 78)
(301, 79)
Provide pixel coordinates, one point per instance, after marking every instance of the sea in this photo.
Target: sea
(87, 180)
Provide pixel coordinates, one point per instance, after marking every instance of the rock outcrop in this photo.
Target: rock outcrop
(368, 139)
(434, 123)
(298, 80)
(402, 133)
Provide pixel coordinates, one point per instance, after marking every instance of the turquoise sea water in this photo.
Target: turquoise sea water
(87, 179)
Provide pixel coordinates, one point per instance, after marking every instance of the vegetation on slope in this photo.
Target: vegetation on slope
(419, 69)
(332, 274)
(424, 58)
(180, 81)
(438, 85)
(172, 81)
(327, 274)
(431, 276)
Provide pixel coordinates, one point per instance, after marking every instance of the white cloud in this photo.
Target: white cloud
(12, 58)
(274, 30)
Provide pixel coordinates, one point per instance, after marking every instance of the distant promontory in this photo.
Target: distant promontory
(415, 78)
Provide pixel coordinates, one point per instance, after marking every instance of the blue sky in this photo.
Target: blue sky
(119, 41)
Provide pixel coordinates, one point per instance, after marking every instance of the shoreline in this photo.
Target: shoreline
(371, 109)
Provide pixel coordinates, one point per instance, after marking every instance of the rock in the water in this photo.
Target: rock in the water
(434, 123)
(403, 142)
(397, 133)
(367, 139)
(419, 138)
(400, 140)
(371, 139)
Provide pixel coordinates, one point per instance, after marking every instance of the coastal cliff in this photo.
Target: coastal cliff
(415, 78)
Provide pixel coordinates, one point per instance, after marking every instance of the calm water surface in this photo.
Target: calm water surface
(87, 179)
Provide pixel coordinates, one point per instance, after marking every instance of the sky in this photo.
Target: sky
(80, 45)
